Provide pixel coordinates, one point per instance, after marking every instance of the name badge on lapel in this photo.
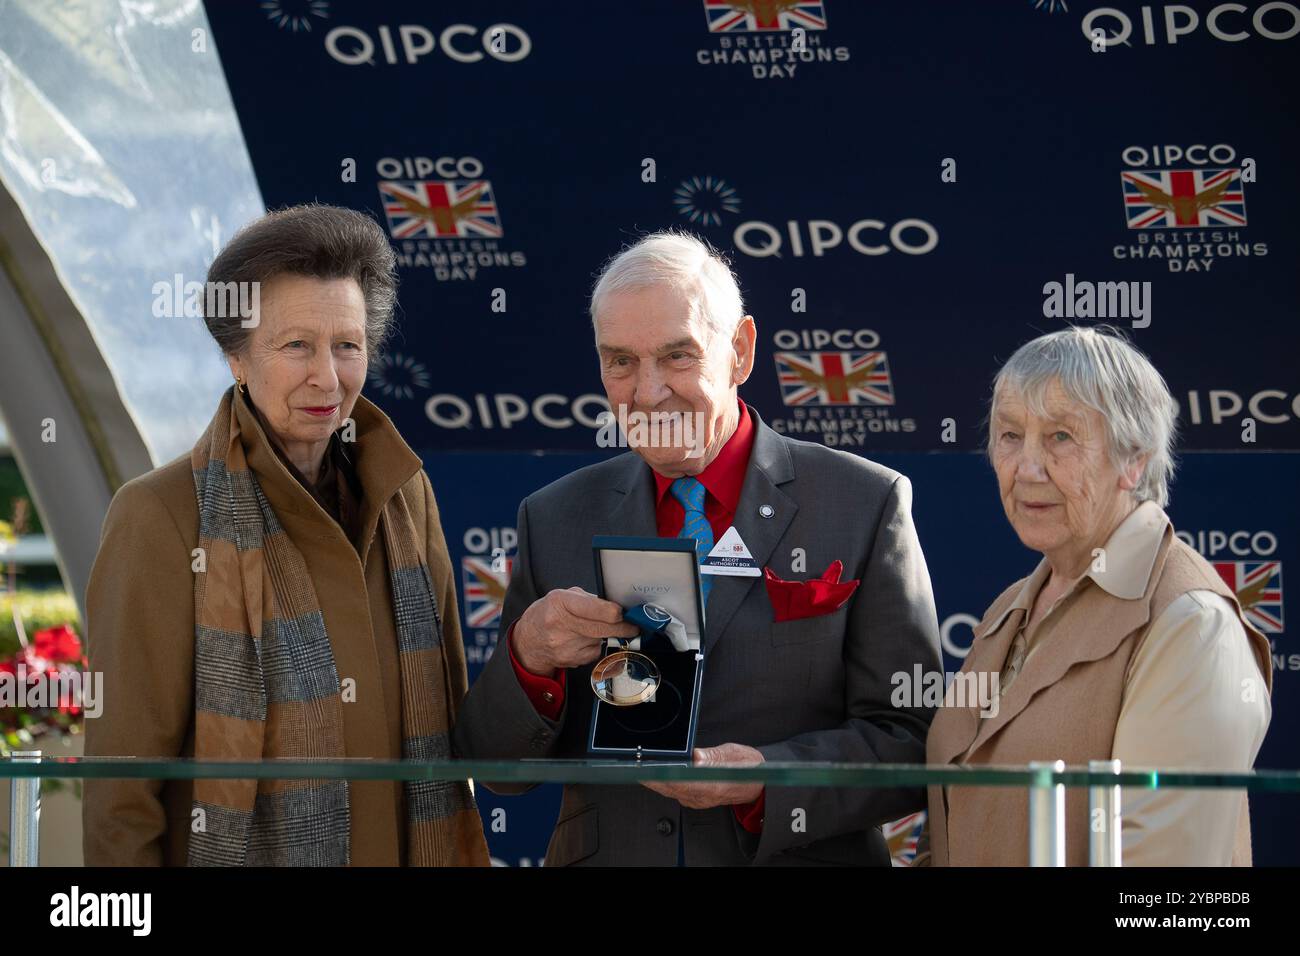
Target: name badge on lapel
(731, 557)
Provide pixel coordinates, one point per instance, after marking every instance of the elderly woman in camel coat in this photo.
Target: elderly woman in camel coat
(282, 590)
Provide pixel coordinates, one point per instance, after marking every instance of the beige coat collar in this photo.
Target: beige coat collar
(1130, 553)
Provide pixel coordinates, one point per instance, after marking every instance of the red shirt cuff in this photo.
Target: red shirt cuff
(546, 695)
(750, 815)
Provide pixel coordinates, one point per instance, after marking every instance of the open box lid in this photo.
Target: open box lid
(662, 571)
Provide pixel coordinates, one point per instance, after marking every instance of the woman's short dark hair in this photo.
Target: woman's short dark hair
(324, 242)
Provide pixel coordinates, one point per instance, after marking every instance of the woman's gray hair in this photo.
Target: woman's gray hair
(1100, 369)
(683, 261)
(324, 242)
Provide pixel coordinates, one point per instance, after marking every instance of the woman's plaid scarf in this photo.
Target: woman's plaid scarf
(266, 684)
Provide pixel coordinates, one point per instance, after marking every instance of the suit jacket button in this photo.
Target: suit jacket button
(664, 826)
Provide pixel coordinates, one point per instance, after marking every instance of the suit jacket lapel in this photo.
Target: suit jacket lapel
(634, 511)
(770, 465)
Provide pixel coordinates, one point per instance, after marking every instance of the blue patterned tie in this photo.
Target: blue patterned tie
(690, 493)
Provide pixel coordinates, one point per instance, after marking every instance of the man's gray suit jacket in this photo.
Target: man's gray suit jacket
(816, 689)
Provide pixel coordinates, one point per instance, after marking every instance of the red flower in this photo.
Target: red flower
(57, 644)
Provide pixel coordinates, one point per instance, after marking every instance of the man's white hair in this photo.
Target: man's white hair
(683, 261)
(1100, 369)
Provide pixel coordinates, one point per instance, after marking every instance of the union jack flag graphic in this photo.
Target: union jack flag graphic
(901, 836)
(440, 209)
(834, 378)
(751, 16)
(1258, 586)
(1177, 198)
(485, 590)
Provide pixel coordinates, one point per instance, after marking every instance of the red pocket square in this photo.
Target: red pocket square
(792, 600)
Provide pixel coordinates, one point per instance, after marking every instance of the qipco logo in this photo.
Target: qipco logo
(1198, 154)
(867, 237)
(504, 410)
(459, 42)
(424, 167)
(1226, 22)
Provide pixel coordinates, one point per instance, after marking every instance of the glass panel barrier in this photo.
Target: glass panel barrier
(1046, 783)
(629, 772)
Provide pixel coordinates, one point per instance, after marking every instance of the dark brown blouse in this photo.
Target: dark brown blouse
(337, 489)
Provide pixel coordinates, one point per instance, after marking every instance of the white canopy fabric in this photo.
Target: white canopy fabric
(122, 166)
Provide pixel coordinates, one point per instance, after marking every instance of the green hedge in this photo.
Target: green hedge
(12, 486)
(40, 610)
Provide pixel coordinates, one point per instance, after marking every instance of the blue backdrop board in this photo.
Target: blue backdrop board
(897, 183)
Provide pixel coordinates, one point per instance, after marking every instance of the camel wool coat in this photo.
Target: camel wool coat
(140, 637)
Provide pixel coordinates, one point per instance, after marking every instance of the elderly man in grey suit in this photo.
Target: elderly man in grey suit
(810, 680)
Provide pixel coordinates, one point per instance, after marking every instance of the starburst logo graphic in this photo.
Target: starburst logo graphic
(1051, 6)
(399, 375)
(704, 200)
(296, 15)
